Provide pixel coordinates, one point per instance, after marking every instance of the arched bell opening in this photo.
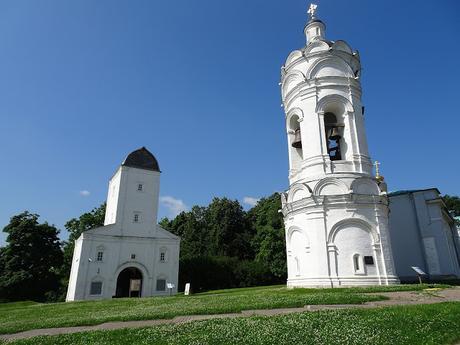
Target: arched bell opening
(334, 135)
(129, 283)
(295, 141)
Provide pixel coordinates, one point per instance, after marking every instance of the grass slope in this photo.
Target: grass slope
(422, 324)
(19, 317)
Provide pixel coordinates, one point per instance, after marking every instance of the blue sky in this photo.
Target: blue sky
(83, 83)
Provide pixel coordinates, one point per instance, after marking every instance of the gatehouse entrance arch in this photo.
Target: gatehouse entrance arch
(129, 283)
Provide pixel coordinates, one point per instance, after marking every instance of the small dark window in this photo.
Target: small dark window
(136, 218)
(161, 284)
(100, 255)
(162, 256)
(140, 187)
(96, 288)
(368, 260)
(133, 256)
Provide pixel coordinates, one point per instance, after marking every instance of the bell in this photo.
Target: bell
(297, 142)
(334, 134)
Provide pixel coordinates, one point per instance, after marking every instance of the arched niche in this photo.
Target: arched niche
(299, 191)
(353, 238)
(330, 186)
(316, 46)
(296, 54)
(342, 46)
(365, 186)
(293, 120)
(355, 223)
(337, 107)
(291, 80)
(329, 67)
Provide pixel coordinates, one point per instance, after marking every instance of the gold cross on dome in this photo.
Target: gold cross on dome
(312, 10)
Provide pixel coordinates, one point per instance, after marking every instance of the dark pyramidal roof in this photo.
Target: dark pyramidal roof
(141, 159)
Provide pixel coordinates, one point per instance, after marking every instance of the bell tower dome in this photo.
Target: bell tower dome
(336, 214)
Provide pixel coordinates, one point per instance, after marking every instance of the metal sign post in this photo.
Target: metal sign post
(170, 287)
(419, 272)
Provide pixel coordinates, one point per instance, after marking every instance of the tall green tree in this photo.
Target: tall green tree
(453, 205)
(269, 239)
(31, 260)
(229, 233)
(192, 229)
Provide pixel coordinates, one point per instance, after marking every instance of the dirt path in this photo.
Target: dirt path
(395, 298)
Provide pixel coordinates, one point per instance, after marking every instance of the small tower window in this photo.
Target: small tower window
(333, 136)
(358, 264)
(136, 218)
(100, 255)
(140, 187)
(162, 256)
(133, 256)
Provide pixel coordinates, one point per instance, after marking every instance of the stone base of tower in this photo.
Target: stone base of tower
(325, 282)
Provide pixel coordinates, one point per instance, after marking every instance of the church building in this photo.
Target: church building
(131, 255)
(336, 212)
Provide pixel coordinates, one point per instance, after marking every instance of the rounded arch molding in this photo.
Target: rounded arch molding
(325, 102)
(294, 112)
(338, 187)
(293, 229)
(365, 185)
(291, 80)
(332, 62)
(359, 223)
(295, 188)
(138, 265)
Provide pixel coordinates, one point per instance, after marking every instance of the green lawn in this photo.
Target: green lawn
(24, 316)
(421, 324)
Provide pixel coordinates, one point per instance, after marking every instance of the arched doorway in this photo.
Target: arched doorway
(129, 283)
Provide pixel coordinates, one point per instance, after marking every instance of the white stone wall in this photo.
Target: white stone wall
(117, 256)
(334, 210)
(423, 235)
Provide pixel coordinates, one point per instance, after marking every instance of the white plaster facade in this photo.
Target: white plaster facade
(130, 241)
(335, 211)
(423, 234)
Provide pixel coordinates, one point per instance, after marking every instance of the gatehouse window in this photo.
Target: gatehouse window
(137, 218)
(161, 284)
(133, 256)
(163, 254)
(96, 288)
(140, 187)
(333, 136)
(100, 255)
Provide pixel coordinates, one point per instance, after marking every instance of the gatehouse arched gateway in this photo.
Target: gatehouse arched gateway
(129, 283)
(131, 255)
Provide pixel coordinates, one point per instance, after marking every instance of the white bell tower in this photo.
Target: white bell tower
(335, 211)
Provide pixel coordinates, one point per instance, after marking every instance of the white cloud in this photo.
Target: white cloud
(249, 200)
(84, 192)
(175, 206)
